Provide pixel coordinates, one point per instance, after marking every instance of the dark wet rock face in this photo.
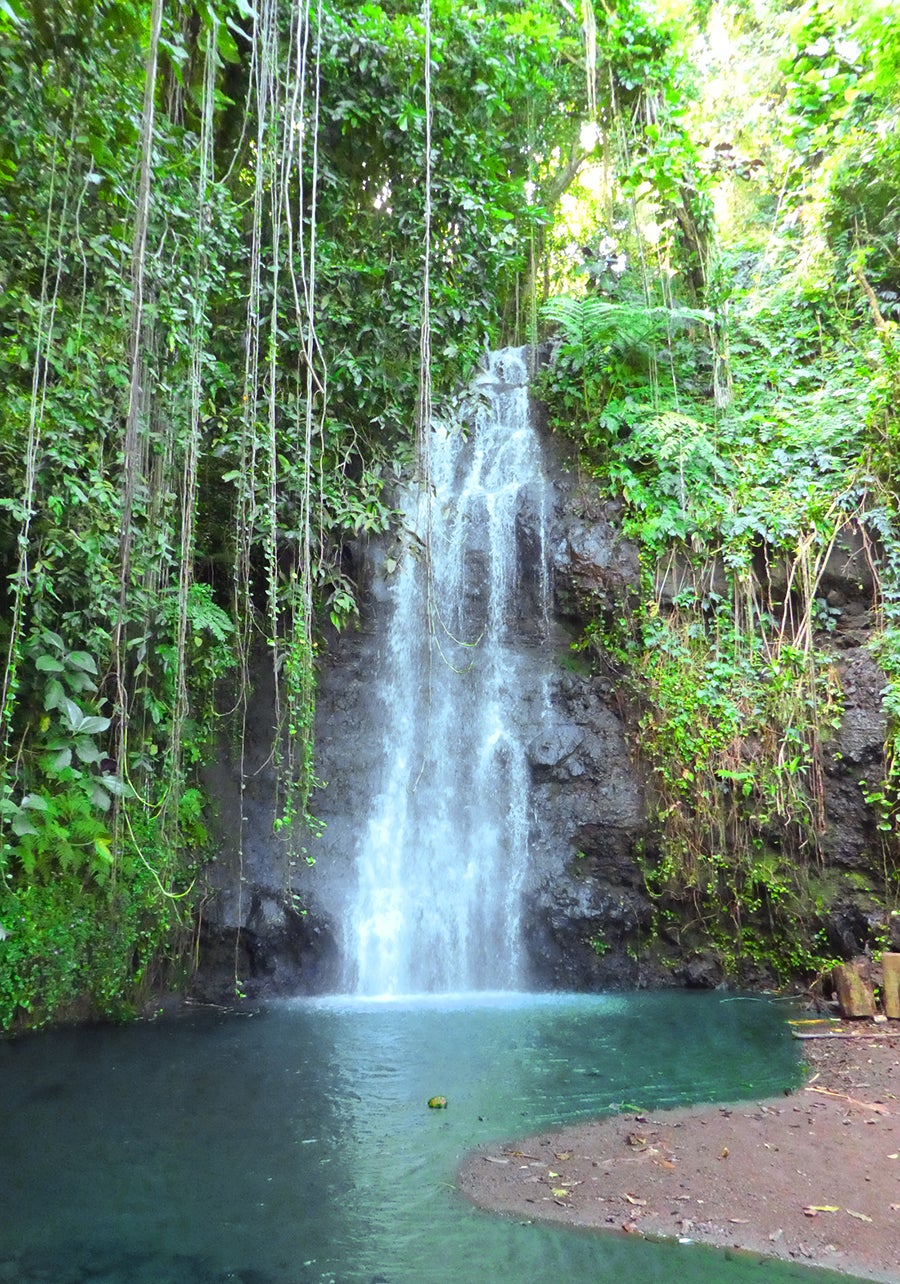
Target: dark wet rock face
(256, 938)
(592, 559)
(583, 904)
(594, 569)
(855, 756)
(588, 921)
(587, 906)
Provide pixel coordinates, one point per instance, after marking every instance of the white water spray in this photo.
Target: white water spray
(442, 859)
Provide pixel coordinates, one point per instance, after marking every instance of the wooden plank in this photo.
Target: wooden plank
(854, 995)
(890, 993)
(860, 1038)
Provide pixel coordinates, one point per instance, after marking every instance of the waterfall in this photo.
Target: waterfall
(460, 687)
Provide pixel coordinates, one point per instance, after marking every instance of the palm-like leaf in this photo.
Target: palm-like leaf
(594, 324)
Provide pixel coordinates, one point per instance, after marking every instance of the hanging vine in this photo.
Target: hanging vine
(199, 337)
(134, 448)
(238, 312)
(303, 124)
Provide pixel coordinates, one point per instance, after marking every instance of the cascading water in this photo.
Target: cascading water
(441, 863)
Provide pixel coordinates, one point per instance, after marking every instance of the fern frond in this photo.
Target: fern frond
(592, 322)
(205, 615)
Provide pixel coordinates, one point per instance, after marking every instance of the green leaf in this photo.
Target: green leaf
(62, 760)
(87, 751)
(226, 45)
(116, 786)
(12, 12)
(101, 847)
(54, 696)
(22, 825)
(93, 725)
(35, 802)
(74, 716)
(100, 798)
(81, 660)
(79, 682)
(49, 664)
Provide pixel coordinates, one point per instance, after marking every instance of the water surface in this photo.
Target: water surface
(295, 1146)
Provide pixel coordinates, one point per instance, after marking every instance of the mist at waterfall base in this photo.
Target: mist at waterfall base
(295, 1146)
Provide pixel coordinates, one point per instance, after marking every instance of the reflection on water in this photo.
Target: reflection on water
(295, 1146)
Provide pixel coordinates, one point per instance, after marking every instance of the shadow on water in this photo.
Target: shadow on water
(296, 1146)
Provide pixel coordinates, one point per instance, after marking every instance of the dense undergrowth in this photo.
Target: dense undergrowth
(225, 252)
(753, 441)
(247, 250)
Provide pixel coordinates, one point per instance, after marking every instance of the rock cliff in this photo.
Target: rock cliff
(274, 920)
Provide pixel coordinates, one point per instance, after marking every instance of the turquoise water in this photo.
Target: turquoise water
(295, 1145)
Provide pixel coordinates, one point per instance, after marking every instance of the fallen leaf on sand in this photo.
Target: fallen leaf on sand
(632, 1199)
(563, 1155)
(813, 1210)
(860, 1217)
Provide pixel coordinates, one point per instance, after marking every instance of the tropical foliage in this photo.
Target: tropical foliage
(753, 443)
(211, 319)
(247, 249)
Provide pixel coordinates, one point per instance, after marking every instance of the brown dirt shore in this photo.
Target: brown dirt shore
(813, 1177)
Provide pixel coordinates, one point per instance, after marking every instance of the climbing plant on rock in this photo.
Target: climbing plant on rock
(211, 228)
(752, 449)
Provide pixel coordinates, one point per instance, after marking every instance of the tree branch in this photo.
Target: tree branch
(559, 183)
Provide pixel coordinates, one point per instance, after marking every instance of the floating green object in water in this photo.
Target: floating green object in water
(437, 1103)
